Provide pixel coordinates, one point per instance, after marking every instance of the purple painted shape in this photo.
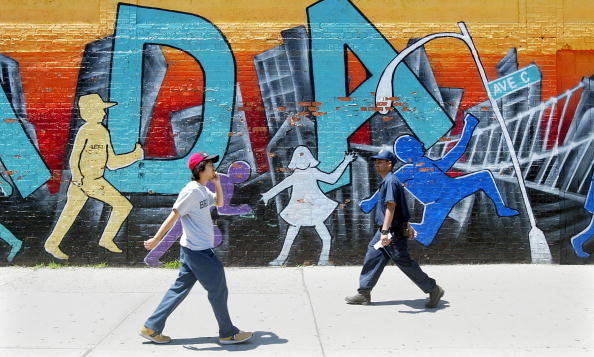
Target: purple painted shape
(152, 258)
(238, 172)
(218, 236)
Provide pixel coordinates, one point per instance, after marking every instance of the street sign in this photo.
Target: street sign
(514, 81)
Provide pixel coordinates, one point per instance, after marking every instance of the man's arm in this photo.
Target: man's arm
(388, 217)
(219, 197)
(165, 227)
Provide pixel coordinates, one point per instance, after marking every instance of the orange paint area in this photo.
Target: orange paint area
(460, 71)
(182, 88)
(572, 66)
(357, 74)
(49, 81)
(254, 107)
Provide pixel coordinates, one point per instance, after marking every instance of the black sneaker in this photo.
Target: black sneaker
(358, 299)
(434, 296)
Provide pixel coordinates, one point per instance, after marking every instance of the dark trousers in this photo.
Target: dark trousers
(202, 266)
(397, 251)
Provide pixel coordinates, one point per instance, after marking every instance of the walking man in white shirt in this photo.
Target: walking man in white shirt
(198, 261)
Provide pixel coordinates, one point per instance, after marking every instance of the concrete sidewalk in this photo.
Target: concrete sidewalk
(487, 310)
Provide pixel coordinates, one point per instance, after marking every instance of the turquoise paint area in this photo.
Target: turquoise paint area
(136, 27)
(334, 24)
(5, 186)
(18, 154)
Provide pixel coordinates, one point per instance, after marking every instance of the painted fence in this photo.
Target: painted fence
(487, 105)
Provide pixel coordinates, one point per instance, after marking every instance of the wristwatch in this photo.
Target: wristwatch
(384, 231)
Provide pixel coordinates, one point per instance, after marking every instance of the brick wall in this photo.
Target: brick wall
(281, 91)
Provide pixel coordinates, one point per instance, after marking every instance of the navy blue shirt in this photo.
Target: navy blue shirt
(391, 190)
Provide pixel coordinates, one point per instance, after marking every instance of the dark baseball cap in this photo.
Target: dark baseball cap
(385, 154)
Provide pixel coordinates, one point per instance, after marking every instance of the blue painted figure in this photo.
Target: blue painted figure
(5, 234)
(427, 180)
(577, 242)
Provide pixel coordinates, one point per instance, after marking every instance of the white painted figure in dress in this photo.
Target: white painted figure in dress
(308, 206)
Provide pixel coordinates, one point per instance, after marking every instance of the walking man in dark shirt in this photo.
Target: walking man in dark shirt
(391, 216)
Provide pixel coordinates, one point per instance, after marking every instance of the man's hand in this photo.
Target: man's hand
(216, 178)
(385, 240)
(412, 234)
(150, 244)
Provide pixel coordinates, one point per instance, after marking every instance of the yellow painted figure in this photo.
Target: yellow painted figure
(91, 153)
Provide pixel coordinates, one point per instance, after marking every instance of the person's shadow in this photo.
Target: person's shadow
(418, 305)
(260, 338)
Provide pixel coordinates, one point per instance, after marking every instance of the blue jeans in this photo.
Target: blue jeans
(397, 251)
(205, 267)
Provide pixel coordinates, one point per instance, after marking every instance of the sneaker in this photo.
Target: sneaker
(358, 299)
(434, 296)
(239, 337)
(153, 336)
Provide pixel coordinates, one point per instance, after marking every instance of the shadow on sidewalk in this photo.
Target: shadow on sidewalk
(260, 338)
(418, 305)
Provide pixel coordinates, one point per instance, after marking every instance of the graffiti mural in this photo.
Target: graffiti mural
(100, 114)
(308, 205)
(427, 181)
(91, 154)
(585, 237)
(14, 242)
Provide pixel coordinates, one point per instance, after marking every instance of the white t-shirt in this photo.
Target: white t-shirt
(193, 204)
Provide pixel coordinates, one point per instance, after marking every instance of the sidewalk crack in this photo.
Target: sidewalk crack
(313, 314)
(118, 325)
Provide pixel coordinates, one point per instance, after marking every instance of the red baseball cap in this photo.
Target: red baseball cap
(197, 158)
